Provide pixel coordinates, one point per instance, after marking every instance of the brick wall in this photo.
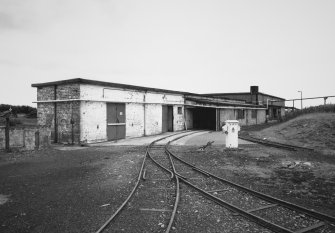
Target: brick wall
(90, 123)
(45, 93)
(153, 120)
(70, 91)
(93, 126)
(134, 120)
(26, 138)
(226, 114)
(45, 114)
(261, 116)
(178, 118)
(231, 114)
(65, 111)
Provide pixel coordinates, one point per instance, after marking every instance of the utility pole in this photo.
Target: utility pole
(293, 105)
(301, 98)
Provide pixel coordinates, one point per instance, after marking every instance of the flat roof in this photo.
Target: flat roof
(240, 93)
(126, 86)
(107, 84)
(220, 102)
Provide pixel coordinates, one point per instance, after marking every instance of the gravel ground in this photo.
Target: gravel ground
(77, 190)
(264, 169)
(197, 214)
(65, 191)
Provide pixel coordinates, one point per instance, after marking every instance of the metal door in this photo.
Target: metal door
(116, 121)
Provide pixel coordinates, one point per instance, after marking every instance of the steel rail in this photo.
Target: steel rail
(161, 166)
(175, 175)
(103, 227)
(270, 199)
(177, 195)
(274, 144)
(261, 221)
(248, 215)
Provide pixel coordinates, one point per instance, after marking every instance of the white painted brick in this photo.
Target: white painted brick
(164, 98)
(93, 125)
(93, 92)
(134, 120)
(261, 116)
(178, 119)
(153, 120)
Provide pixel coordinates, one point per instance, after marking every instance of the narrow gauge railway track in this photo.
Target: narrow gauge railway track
(269, 212)
(274, 144)
(163, 186)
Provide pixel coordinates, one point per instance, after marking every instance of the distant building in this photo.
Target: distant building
(81, 110)
(275, 106)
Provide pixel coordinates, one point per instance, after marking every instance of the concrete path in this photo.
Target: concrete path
(198, 139)
(201, 139)
(140, 141)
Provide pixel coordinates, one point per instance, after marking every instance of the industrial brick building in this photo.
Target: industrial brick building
(275, 106)
(81, 110)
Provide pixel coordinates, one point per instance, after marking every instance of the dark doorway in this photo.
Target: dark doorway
(116, 121)
(204, 118)
(167, 118)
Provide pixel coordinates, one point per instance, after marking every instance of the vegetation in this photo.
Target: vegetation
(313, 109)
(17, 109)
(28, 111)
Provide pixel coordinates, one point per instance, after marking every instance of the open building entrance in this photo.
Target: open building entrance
(201, 118)
(167, 118)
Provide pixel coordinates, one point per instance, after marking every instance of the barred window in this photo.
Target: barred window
(240, 113)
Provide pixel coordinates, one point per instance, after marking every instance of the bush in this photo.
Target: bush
(17, 109)
(32, 114)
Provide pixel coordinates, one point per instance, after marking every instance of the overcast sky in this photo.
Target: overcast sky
(200, 46)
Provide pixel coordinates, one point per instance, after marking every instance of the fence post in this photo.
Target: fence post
(7, 134)
(37, 140)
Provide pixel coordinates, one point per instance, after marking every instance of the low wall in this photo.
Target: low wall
(26, 137)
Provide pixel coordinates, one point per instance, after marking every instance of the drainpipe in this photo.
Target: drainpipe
(267, 103)
(72, 124)
(55, 115)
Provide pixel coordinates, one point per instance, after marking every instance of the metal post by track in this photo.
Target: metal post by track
(7, 135)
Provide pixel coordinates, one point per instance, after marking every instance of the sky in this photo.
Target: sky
(199, 46)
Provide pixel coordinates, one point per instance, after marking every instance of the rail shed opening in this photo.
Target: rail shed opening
(167, 118)
(201, 118)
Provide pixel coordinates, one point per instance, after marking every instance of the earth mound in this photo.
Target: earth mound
(315, 130)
